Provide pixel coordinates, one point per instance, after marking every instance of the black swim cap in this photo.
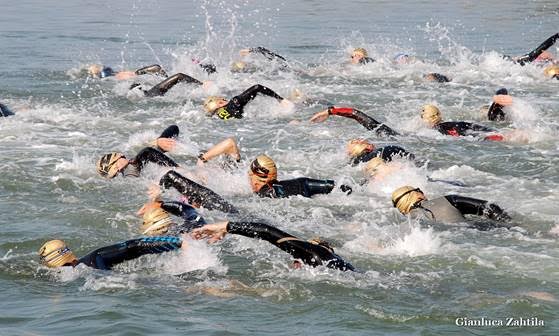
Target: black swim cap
(106, 72)
(502, 91)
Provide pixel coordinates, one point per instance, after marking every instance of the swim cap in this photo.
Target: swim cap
(106, 72)
(211, 103)
(238, 66)
(431, 114)
(156, 222)
(372, 167)
(55, 253)
(263, 168)
(361, 51)
(407, 198)
(106, 164)
(401, 58)
(356, 147)
(552, 71)
(94, 70)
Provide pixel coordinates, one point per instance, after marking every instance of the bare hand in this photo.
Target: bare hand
(214, 232)
(166, 144)
(244, 52)
(504, 100)
(286, 104)
(148, 207)
(320, 116)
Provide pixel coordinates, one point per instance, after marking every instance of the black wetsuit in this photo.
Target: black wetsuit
(495, 112)
(366, 60)
(461, 128)
(303, 186)
(161, 89)
(386, 153)
(474, 206)
(154, 69)
(107, 257)
(196, 194)
(309, 253)
(439, 77)
(270, 55)
(532, 55)
(145, 156)
(191, 218)
(170, 132)
(235, 107)
(368, 122)
(5, 111)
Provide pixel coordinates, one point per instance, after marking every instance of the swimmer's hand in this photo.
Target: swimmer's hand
(244, 52)
(166, 144)
(320, 116)
(215, 232)
(148, 207)
(504, 100)
(286, 104)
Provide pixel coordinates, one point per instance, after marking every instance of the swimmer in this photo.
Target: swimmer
(241, 66)
(209, 68)
(55, 253)
(161, 88)
(431, 115)
(361, 150)
(196, 194)
(447, 209)
(100, 71)
(234, 108)
(436, 77)
(360, 56)
(314, 252)
(110, 165)
(5, 111)
(500, 100)
(403, 58)
(263, 181)
(536, 53)
(348, 112)
(157, 221)
(552, 71)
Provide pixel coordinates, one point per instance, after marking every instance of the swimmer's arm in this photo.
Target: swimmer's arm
(153, 155)
(313, 186)
(154, 69)
(227, 146)
(481, 128)
(251, 93)
(166, 142)
(532, 55)
(196, 194)
(365, 120)
(267, 53)
(474, 206)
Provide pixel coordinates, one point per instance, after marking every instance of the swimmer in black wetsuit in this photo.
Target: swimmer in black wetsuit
(263, 180)
(5, 111)
(164, 86)
(55, 253)
(431, 115)
(241, 66)
(552, 71)
(360, 56)
(348, 112)
(436, 77)
(109, 165)
(312, 252)
(500, 100)
(100, 71)
(157, 221)
(360, 150)
(447, 209)
(534, 54)
(234, 108)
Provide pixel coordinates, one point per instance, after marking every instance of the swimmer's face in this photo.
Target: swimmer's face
(94, 70)
(356, 56)
(256, 183)
(357, 146)
(118, 166)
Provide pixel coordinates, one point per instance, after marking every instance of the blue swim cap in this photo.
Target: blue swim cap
(106, 72)
(400, 57)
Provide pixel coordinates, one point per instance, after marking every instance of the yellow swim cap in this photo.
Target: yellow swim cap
(361, 51)
(106, 165)
(238, 66)
(156, 222)
(406, 198)
(551, 71)
(95, 70)
(211, 103)
(356, 147)
(263, 168)
(431, 114)
(55, 253)
(372, 167)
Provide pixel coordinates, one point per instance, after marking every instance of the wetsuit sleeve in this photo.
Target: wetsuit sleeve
(251, 93)
(191, 218)
(532, 55)
(170, 132)
(162, 88)
(495, 112)
(208, 68)
(481, 128)
(151, 69)
(153, 155)
(474, 206)
(107, 257)
(365, 120)
(267, 53)
(5, 111)
(196, 193)
(309, 253)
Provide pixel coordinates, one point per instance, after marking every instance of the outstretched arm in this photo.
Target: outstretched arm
(227, 146)
(154, 69)
(474, 206)
(251, 93)
(162, 88)
(532, 55)
(266, 53)
(153, 155)
(365, 120)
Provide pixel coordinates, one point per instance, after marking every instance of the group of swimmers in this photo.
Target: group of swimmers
(161, 231)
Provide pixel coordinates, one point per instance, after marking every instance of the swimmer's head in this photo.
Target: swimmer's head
(401, 58)
(239, 66)
(108, 165)
(156, 222)
(407, 198)
(99, 71)
(374, 165)
(552, 71)
(55, 253)
(358, 54)
(262, 171)
(213, 103)
(436, 77)
(357, 147)
(431, 114)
